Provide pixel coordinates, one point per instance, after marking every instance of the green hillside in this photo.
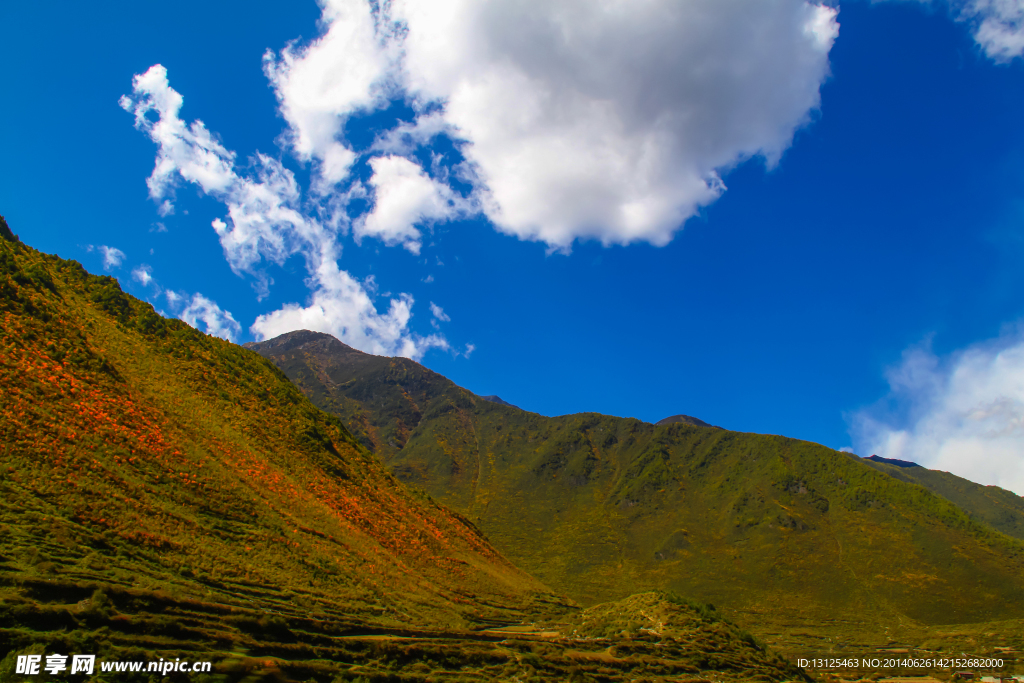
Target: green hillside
(1001, 509)
(166, 494)
(802, 543)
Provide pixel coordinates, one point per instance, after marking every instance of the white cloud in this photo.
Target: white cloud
(204, 314)
(963, 413)
(143, 275)
(846, 449)
(188, 152)
(439, 313)
(265, 223)
(439, 316)
(470, 348)
(342, 307)
(604, 120)
(343, 72)
(405, 197)
(406, 137)
(112, 257)
(998, 27)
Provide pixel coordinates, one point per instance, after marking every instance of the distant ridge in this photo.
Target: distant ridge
(685, 419)
(892, 461)
(599, 506)
(497, 399)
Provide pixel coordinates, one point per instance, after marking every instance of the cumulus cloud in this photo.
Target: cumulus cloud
(319, 87)
(265, 223)
(343, 307)
(563, 120)
(963, 413)
(112, 257)
(576, 119)
(404, 198)
(998, 26)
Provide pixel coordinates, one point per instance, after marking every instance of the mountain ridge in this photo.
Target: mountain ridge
(599, 506)
(168, 494)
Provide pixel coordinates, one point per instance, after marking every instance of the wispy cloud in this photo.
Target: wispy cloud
(439, 316)
(963, 413)
(143, 275)
(112, 257)
(203, 314)
(265, 223)
(996, 25)
(438, 313)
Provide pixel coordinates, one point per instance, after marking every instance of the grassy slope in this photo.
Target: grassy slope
(168, 494)
(778, 529)
(1001, 509)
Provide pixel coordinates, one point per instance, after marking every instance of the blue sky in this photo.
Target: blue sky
(777, 217)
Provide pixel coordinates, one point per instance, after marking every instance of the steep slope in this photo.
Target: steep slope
(139, 453)
(1001, 509)
(777, 530)
(380, 399)
(166, 494)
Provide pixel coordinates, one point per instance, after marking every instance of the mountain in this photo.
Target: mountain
(892, 461)
(167, 494)
(497, 399)
(1001, 509)
(682, 419)
(802, 543)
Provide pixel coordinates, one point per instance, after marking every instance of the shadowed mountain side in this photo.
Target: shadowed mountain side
(166, 494)
(891, 461)
(1001, 509)
(380, 399)
(600, 507)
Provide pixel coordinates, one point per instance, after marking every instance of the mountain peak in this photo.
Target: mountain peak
(892, 461)
(290, 341)
(685, 419)
(497, 399)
